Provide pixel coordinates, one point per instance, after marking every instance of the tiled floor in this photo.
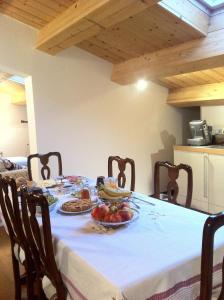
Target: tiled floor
(6, 275)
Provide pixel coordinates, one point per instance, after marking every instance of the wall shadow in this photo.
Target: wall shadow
(165, 154)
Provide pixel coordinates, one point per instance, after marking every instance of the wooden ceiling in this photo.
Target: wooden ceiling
(150, 30)
(4, 76)
(36, 13)
(176, 43)
(215, 75)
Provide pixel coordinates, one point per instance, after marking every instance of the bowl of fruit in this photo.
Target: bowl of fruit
(113, 194)
(114, 215)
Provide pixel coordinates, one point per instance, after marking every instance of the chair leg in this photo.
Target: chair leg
(16, 274)
(31, 287)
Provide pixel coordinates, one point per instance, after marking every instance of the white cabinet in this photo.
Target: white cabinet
(199, 164)
(208, 179)
(216, 183)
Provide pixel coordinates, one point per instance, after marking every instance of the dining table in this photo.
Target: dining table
(155, 257)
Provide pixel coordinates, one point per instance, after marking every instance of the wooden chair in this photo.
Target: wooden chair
(44, 159)
(122, 166)
(11, 213)
(40, 242)
(212, 224)
(172, 186)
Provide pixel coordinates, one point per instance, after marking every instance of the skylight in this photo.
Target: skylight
(213, 3)
(18, 79)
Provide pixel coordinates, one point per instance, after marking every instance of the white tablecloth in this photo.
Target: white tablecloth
(156, 257)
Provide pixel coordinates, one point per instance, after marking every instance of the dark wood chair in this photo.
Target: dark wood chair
(40, 242)
(11, 213)
(44, 160)
(172, 186)
(121, 167)
(212, 224)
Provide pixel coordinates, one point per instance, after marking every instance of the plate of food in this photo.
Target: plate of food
(114, 215)
(76, 206)
(52, 201)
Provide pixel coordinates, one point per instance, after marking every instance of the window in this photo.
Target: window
(213, 4)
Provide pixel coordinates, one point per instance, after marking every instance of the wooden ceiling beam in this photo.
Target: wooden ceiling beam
(207, 94)
(196, 55)
(84, 19)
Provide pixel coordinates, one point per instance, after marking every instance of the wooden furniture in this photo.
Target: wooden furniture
(208, 167)
(12, 217)
(41, 248)
(44, 160)
(172, 186)
(212, 224)
(122, 166)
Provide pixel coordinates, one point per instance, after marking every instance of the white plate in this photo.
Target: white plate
(78, 212)
(109, 224)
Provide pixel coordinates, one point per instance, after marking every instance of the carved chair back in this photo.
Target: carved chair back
(172, 186)
(44, 160)
(40, 242)
(9, 204)
(122, 167)
(212, 224)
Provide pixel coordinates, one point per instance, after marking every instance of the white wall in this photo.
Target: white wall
(85, 116)
(13, 134)
(214, 115)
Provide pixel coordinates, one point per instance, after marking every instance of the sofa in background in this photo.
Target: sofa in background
(19, 165)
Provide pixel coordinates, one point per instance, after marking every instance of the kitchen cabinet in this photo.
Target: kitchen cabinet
(208, 175)
(216, 183)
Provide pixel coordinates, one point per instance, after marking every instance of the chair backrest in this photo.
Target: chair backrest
(44, 160)
(172, 186)
(122, 162)
(212, 224)
(9, 204)
(40, 241)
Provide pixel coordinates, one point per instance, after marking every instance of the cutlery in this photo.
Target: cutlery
(136, 205)
(145, 201)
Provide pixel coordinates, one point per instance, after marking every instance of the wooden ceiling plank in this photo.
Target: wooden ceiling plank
(118, 11)
(22, 17)
(203, 94)
(128, 41)
(196, 55)
(69, 37)
(27, 8)
(189, 13)
(105, 54)
(152, 27)
(117, 50)
(69, 18)
(57, 30)
(56, 6)
(174, 24)
(80, 36)
(4, 76)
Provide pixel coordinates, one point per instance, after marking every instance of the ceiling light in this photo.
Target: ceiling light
(141, 84)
